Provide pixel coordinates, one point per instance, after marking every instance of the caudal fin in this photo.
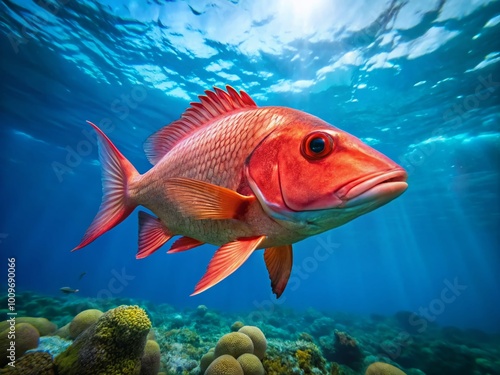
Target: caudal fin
(116, 204)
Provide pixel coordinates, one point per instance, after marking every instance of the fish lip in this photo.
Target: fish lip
(384, 185)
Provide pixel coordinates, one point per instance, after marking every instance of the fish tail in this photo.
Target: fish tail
(116, 205)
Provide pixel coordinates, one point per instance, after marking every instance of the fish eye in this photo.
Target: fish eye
(317, 145)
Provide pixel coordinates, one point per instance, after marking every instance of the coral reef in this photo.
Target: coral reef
(347, 351)
(405, 319)
(322, 326)
(201, 311)
(304, 359)
(297, 343)
(336, 369)
(113, 345)
(179, 348)
(293, 357)
(448, 359)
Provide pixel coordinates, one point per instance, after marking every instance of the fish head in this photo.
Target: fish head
(313, 177)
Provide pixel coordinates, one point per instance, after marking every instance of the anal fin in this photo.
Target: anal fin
(203, 200)
(227, 259)
(183, 244)
(152, 234)
(279, 262)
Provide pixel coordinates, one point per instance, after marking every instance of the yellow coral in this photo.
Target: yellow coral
(276, 366)
(304, 359)
(113, 345)
(124, 320)
(131, 316)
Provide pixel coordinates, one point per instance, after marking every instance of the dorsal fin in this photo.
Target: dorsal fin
(214, 104)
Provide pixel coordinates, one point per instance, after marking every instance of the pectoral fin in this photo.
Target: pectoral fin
(203, 200)
(226, 260)
(279, 265)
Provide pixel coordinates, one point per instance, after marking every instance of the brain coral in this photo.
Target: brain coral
(152, 335)
(63, 332)
(113, 345)
(44, 326)
(82, 321)
(206, 360)
(150, 362)
(236, 326)
(224, 365)
(258, 339)
(380, 368)
(26, 337)
(251, 365)
(234, 344)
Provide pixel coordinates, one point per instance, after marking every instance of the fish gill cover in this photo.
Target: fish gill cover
(416, 80)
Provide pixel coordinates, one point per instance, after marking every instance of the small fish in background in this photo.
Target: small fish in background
(68, 290)
(81, 275)
(243, 177)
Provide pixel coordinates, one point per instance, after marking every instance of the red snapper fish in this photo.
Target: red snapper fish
(243, 177)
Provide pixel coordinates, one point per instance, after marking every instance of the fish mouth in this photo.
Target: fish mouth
(375, 189)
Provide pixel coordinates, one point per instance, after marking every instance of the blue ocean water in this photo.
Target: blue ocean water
(417, 80)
